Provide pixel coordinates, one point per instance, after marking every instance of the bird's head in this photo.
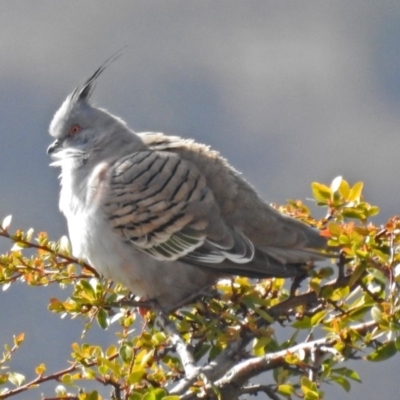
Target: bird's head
(83, 131)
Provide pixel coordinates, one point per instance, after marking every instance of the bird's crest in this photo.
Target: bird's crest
(83, 93)
(78, 98)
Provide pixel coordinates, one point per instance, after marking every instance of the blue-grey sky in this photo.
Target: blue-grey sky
(289, 92)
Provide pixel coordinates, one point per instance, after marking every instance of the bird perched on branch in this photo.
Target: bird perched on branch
(165, 216)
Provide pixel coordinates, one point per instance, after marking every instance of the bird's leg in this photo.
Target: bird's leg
(341, 267)
(297, 280)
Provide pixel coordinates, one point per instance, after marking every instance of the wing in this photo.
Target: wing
(282, 238)
(161, 204)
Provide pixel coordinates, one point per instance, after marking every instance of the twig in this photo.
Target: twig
(69, 259)
(255, 389)
(53, 377)
(186, 356)
(228, 358)
(316, 357)
(40, 379)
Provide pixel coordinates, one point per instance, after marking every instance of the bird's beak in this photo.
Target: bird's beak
(54, 147)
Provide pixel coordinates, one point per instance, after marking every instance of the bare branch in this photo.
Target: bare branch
(186, 356)
(255, 389)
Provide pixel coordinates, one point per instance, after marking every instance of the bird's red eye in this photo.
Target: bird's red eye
(74, 129)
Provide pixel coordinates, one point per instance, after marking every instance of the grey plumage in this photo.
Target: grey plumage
(163, 215)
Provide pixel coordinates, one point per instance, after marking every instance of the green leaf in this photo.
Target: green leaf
(334, 228)
(309, 389)
(102, 319)
(111, 351)
(340, 293)
(135, 396)
(286, 389)
(321, 192)
(137, 374)
(87, 287)
(259, 345)
(372, 211)
(318, 317)
(149, 396)
(201, 351)
(19, 246)
(358, 312)
(349, 373)
(56, 305)
(16, 379)
(355, 192)
(344, 189)
(18, 339)
(376, 313)
(353, 213)
(378, 275)
(40, 369)
(159, 393)
(94, 395)
(67, 379)
(214, 352)
(64, 245)
(158, 338)
(126, 352)
(384, 352)
(357, 273)
(263, 314)
(344, 383)
(311, 395)
(304, 323)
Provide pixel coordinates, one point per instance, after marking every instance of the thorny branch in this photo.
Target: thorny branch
(216, 370)
(40, 379)
(56, 376)
(234, 379)
(4, 233)
(228, 373)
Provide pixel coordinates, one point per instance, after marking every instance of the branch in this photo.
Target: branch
(53, 377)
(186, 356)
(243, 371)
(255, 389)
(40, 379)
(215, 371)
(247, 369)
(48, 249)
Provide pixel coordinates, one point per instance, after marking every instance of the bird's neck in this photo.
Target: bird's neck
(73, 186)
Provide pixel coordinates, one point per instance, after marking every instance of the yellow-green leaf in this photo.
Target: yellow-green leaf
(40, 369)
(321, 192)
(286, 389)
(102, 319)
(355, 192)
(16, 379)
(387, 350)
(18, 339)
(344, 189)
(318, 317)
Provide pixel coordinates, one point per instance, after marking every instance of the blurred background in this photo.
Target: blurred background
(289, 92)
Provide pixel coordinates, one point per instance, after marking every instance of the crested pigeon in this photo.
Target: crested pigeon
(165, 216)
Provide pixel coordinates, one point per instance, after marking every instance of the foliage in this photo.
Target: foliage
(212, 348)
